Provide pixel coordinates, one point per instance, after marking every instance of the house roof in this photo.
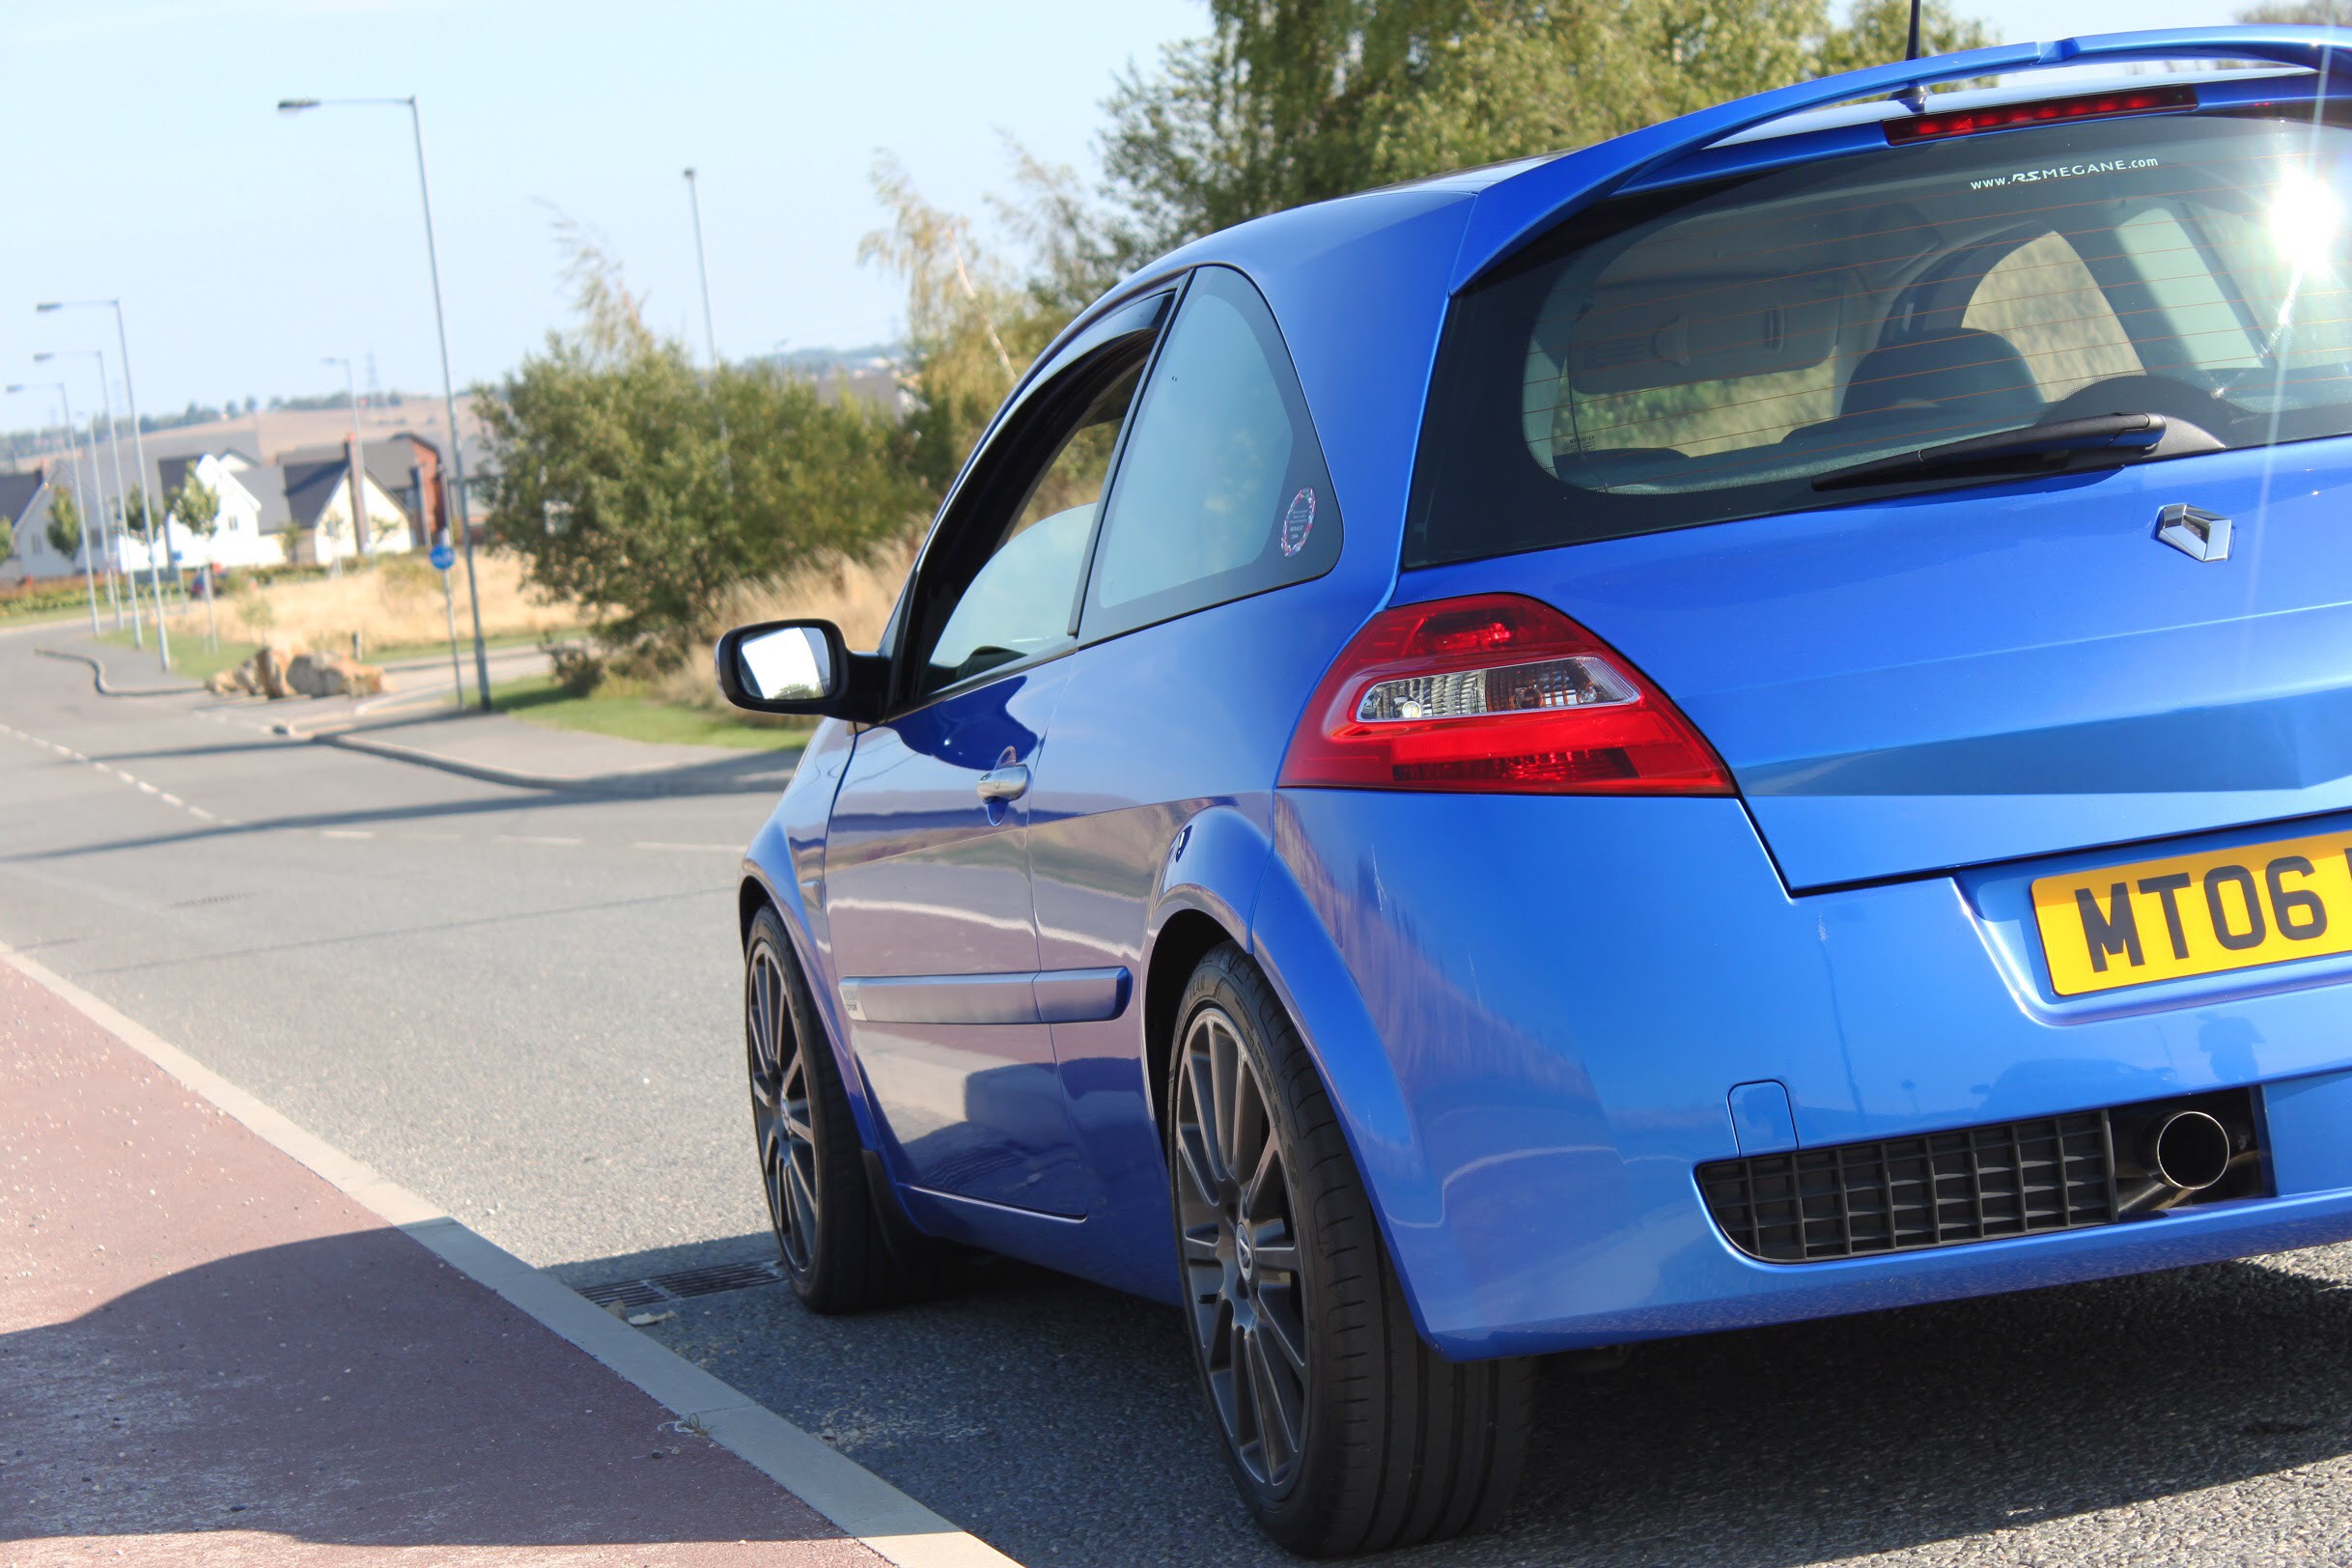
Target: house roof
(268, 483)
(19, 492)
(309, 487)
(390, 462)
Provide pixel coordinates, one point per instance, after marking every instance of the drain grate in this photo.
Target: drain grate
(630, 1294)
(210, 899)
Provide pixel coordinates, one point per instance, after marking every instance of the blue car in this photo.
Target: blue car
(1747, 724)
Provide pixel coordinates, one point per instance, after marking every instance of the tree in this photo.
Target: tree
(2301, 14)
(64, 530)
(631, 482)
(1289, 102)
(132, 512)
(196, 506)
(7, 539)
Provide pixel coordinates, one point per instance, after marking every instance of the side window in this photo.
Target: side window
(1006, 582)
(1223, 491)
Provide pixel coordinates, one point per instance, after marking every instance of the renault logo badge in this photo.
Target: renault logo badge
(2194, 532)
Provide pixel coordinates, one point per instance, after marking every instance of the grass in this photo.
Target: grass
(539, 700)
(190, 658)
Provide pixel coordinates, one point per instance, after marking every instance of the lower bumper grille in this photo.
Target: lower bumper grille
(1976, 1184)
(1853, 1199)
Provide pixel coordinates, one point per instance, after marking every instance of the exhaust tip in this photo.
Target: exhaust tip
(2189, 1150)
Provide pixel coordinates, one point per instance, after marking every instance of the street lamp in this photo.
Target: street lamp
(65, 402)
(362, 525)
(158, 528)
(113, 450)
(710, 335)
(449, 393)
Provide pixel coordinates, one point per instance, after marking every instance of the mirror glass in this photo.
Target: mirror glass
(792, 663)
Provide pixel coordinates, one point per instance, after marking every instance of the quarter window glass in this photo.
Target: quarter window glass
(1021, 601)
(1223, 491)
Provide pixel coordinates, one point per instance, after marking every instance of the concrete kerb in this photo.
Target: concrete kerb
(649, 782)
(862, 1504)
(98, 677)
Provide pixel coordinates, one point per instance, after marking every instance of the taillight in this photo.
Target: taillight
(1495, 693)
(2048, 111)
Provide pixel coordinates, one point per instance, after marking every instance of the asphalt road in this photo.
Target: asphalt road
(523, 1007)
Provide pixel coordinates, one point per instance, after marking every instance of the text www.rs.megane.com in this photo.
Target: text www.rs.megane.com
(2028, 177)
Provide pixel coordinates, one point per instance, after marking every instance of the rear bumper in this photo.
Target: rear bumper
(1530, 1014)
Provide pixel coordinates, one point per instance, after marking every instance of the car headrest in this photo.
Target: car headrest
(1977, 374)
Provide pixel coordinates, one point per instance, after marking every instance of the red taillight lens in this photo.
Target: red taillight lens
(2048, 111)
(1495, 694)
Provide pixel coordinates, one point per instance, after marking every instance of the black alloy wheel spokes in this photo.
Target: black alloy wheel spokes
(780, 1110)
(1241, 1251)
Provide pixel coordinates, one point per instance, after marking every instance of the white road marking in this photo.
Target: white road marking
(139, 784)
(345, 832)
(533, 838)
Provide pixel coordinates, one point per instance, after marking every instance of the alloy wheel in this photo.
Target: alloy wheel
(780, 1109)
(1240, 1251)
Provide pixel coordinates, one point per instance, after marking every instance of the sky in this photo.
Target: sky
(147, 161)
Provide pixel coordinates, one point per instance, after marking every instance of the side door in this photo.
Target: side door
(1208, 617)
(927, 886)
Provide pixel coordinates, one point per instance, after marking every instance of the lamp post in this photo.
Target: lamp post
(113, 450)
(64, 402)
(158, 525)
(354, 459)
(449, 393)
(702, 269)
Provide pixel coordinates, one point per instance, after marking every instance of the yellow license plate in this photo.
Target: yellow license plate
(2109, 926)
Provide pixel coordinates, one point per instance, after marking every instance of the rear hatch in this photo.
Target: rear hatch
(1653, 424)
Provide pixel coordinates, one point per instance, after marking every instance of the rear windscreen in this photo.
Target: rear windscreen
(1705, 353)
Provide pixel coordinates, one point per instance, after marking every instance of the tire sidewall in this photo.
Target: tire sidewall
(1227, 981)
(768, 930)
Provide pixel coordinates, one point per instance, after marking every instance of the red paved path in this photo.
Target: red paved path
(209, 1356)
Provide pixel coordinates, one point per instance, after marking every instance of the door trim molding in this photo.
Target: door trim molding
(1041, 996)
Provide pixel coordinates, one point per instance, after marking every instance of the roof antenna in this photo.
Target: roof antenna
(1913, 96)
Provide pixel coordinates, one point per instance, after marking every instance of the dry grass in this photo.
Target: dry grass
(397, 602)
(856, 596)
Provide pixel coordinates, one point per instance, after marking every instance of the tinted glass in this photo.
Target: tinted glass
(1702, 355)
(1223, 491)
(1024, 597)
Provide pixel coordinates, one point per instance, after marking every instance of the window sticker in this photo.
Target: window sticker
(1299, 522)
(2069, 171)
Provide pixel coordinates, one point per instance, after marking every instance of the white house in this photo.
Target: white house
(238, 537)
(317, 526)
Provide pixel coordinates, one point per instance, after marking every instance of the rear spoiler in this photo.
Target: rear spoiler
(1510, 213)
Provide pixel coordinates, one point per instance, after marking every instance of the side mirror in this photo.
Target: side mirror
(795, 667)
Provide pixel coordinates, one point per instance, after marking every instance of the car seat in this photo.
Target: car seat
(1979, 375)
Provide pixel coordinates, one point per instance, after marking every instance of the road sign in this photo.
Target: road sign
(443, 557)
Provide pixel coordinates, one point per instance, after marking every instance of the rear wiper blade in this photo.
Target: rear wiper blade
(2097, 441)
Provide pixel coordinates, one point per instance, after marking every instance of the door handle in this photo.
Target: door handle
(1007, 783)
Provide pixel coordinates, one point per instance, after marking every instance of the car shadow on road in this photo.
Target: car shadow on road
(346, 1389)
(1059, 1421)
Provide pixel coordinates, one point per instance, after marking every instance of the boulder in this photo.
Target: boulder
(225, 683)
(356, 680)
(269, 673)
(318, 675)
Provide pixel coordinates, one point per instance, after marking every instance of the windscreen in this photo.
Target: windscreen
(1707, 354)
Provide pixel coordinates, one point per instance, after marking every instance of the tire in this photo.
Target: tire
(1344, 1431)
(831, 1234)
